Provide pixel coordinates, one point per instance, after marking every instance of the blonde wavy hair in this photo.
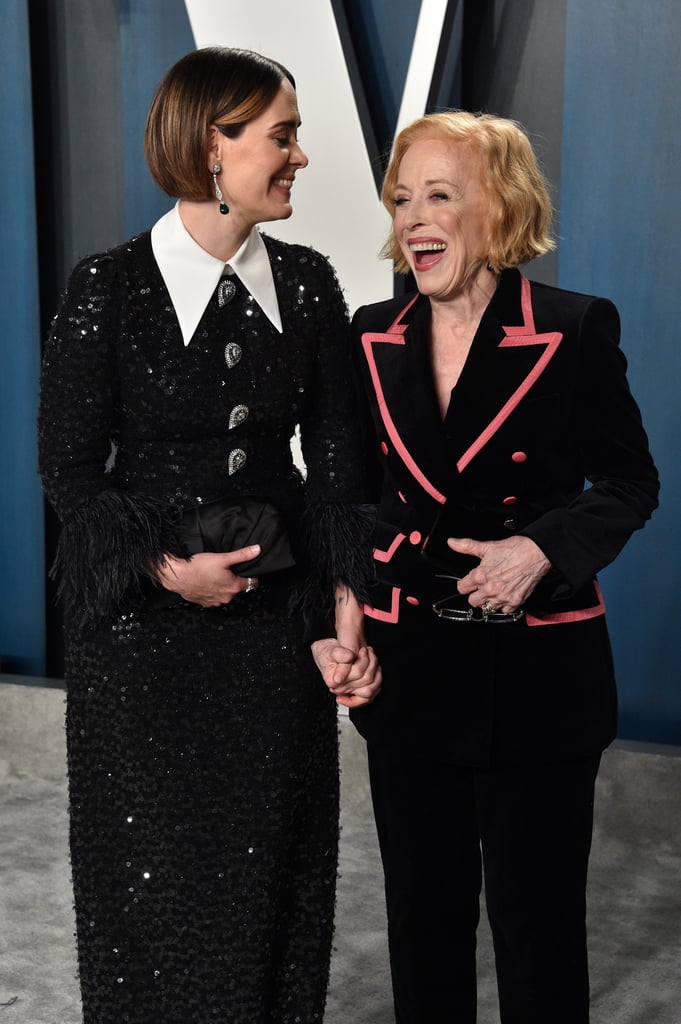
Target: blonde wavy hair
(519, 210)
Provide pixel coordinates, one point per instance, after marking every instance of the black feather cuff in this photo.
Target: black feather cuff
(337, 544)
(107, 546)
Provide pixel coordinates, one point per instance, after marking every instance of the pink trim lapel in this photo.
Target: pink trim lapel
(395, 336)
(516, 337)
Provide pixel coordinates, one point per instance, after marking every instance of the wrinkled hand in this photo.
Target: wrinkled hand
(354, 677)
(508, 571)
(206, 578)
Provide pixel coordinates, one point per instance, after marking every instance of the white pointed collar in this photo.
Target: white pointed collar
(191, 274)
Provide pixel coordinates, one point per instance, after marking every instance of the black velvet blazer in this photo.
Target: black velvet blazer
(542, 437)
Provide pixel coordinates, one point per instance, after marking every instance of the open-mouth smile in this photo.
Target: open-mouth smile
(426, 252)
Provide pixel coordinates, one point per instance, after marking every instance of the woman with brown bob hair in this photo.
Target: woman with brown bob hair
(198, 563)
(196, 97)
(510, 465)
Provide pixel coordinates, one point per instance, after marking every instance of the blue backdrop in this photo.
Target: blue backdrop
(621, 222)
(22, 556)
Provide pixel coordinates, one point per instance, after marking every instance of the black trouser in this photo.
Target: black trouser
(530, 827)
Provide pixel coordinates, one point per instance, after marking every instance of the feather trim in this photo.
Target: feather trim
(108, 546)
(336, 540)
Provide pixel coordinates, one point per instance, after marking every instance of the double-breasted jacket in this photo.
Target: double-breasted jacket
(543, 438)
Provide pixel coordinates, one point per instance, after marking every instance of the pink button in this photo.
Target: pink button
(511, 500)
(384, 448)
(519, 456)
(415, 537)
(413, 600)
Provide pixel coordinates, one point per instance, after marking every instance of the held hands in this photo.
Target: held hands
(508, 571)
(207, 579)
(353, 676)
(349, 668)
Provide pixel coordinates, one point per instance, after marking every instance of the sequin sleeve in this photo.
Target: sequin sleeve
(109, 537)
(337, 523)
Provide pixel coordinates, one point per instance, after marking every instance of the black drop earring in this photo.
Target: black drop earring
(218, 191)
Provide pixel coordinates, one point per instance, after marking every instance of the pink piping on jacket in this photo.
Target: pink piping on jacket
(576, 616)
(516, 336)
(390, 616)
(394, 337)
(386, 554)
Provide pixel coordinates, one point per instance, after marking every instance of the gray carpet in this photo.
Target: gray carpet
(635, 883)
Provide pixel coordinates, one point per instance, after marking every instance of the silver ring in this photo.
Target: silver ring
(487, 608)
(250, 585)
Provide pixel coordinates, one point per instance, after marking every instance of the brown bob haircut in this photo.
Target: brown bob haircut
(519, 204)
(214, 85)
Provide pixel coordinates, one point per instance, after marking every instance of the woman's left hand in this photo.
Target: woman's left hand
(508, 572)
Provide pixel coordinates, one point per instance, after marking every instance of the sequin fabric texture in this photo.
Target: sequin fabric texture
(202, 743)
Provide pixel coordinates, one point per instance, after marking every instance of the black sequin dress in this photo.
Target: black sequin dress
(202, 743)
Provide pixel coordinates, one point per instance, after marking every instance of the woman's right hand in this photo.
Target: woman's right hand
(206, 578)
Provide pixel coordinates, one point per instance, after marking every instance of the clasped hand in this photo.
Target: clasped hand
(507, 573)
(353, 676)
(348, 666)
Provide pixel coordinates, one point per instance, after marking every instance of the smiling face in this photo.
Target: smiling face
(259, 166)
(440, 216)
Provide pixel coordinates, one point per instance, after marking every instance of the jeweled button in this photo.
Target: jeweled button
(232, 354)
(239, 414)
(235, 460)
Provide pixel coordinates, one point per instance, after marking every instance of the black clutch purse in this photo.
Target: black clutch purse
(227, 524)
